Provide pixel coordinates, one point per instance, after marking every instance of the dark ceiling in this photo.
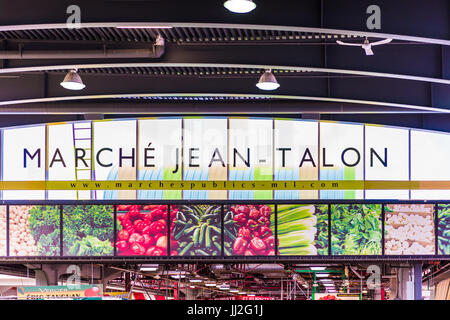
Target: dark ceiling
(212, 59)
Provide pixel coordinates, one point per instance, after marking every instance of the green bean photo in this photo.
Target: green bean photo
(197, 231)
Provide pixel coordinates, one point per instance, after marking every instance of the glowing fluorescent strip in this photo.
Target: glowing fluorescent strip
(144, 27)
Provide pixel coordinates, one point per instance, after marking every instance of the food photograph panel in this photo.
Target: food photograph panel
(444, 229)
(88, 230)
(249, 230)
(302, 229)
(142, 230)
(197, 230)
(356, 229)
(34, 230)
(3, 243)
(409, 229)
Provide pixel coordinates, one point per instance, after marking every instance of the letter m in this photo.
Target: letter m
(32, 156)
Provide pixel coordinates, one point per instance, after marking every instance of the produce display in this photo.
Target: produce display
(356, 229)
(302, 229)
(88, 230)
(2, 231)
(197, 230)
(142, 230)
(409, 229)
(444, 229)
(34, 230)
(249, 230)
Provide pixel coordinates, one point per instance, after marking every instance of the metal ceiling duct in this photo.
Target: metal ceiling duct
(155, 51)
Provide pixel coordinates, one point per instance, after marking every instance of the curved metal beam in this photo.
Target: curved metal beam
(283, 97)
(224, 65)
(228, 26)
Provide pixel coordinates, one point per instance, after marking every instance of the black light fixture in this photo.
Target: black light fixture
(240, 6)
(268, 81)
(72, 81)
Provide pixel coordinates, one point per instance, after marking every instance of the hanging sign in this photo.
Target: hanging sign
(60, 292)
(215, 158)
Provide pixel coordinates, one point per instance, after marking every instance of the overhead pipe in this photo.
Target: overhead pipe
(155, 51)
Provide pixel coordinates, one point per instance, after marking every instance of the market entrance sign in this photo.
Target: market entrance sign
(218, 158)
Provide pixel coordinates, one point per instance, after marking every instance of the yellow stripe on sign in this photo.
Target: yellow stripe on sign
(23, 185)
(225, 185)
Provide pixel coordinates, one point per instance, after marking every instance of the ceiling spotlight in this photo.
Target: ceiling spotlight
(72, 81)
(322, 275)
(240, 6)
(150, 269)
(268, 81)
(143, 27)
(210, 284)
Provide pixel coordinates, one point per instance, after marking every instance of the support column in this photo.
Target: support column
(190, 294)
(41, 278)
(418, 281)
(109, 274)
(127, 281)
(52, 273)
(405, 284)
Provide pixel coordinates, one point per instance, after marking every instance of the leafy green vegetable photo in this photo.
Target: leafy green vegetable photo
(88, 230)
(356, 229)
(444, 229)
(321, 240)
(44, 225)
